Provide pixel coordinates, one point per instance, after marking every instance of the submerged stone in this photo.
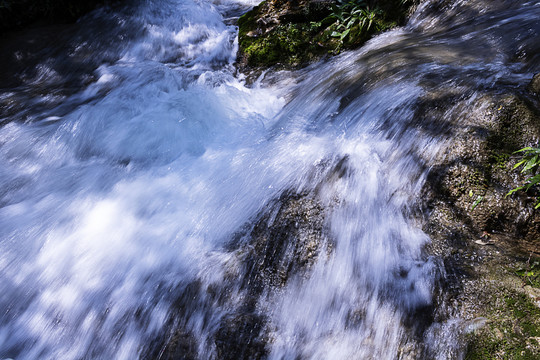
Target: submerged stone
(283, 242)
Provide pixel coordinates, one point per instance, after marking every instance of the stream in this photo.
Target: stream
(155, 205)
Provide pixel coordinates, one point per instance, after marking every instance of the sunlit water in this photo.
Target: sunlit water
(133, 154)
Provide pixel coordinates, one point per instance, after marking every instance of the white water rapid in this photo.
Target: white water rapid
(134, 163)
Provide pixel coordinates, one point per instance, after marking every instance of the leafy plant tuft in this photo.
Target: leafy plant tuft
(529, 162)
(351, 13)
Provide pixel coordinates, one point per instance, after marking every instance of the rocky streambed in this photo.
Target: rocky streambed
(489, 242)
(487, 296)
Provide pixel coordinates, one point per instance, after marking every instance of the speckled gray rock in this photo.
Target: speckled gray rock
(534, 85)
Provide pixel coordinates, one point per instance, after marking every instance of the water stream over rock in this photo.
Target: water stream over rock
(154, 206)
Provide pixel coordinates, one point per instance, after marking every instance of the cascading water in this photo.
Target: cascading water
(138, 173)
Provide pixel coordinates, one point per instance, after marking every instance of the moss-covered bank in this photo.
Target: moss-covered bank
(292, 33)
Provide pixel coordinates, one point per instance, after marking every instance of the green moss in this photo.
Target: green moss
(248, 20)
(511, 332)
(284, 44)
(478, 180)
(530, 329)
(499, 159)
(289, 35)
(481, 350)
(521, 306)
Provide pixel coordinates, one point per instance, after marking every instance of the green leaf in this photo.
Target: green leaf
(530, 161)
(363, 23)
(532, 181)
(476, 202)
(520, 163)
(524, 149)
(514, 190)
(351, 23)
(344, 34)
(530, 164)
(369, 25)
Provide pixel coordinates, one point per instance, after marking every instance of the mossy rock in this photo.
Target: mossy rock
(270, 35)
(285, 44)
(534, 85)
(292, 34)
(512, 331)
(489, 248)
(472, 179)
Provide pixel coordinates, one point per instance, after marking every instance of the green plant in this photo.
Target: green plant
(477, 202)
(531, 273)
(529, 161)
(351, 13)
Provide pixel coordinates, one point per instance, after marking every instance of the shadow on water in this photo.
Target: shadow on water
(45, 64)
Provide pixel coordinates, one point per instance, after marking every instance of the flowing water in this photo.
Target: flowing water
(137, 168)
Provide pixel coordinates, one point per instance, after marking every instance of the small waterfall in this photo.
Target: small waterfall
(153, 205)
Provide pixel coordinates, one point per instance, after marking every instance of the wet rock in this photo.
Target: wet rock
(239, 338)
(534, 85)
(482, 235)
(470, 180)
(285, 241)
(182, 346)
(176, 341)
